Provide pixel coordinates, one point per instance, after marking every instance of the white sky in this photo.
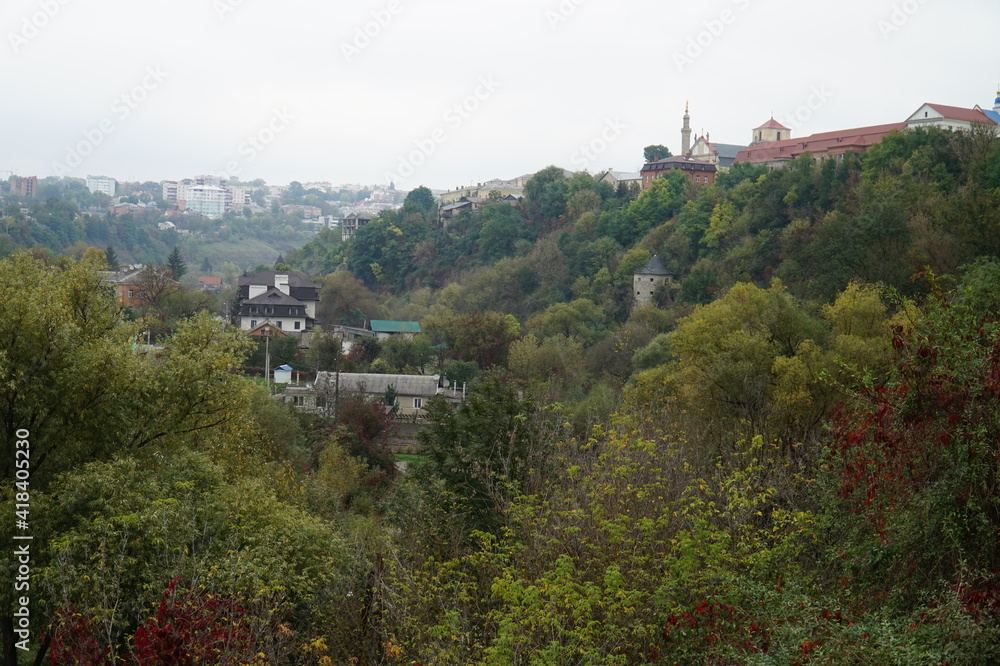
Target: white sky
(562, 74)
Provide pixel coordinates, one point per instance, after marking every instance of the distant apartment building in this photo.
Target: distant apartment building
(350, 224)
(24, 187)
(191, 194)
(206, 200)
(238, 196)
(171, 190)
(212, 181)
(202, 199)
(102, 184)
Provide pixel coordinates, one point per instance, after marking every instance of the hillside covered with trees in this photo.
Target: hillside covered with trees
(791, 458)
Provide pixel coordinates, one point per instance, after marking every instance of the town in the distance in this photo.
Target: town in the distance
(350, 206)
(233, 234)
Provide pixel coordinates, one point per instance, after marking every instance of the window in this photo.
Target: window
(779, 136)
(253, 309)
(299, 400)
(298, 325)
(280, 324)
(418, 403)
(253, 323)
(131, 293)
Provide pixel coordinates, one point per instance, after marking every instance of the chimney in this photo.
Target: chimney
(281, 284)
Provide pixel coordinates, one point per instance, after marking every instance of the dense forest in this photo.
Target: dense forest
(791, 458)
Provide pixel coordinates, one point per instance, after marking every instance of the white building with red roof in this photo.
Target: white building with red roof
(948, 117)
(768, 149)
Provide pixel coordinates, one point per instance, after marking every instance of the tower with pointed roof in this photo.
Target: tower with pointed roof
(686, 132)
(648, 279)
(770, 131)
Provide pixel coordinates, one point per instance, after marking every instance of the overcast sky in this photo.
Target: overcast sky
(445, 93)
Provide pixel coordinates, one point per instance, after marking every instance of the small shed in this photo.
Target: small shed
(283, 374)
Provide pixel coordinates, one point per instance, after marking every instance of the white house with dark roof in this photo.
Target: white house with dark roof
(285, 299)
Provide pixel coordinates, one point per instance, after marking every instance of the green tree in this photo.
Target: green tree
(655, 152)
(325, 352)
(75, 380)
(502, 228)
(580, 319)
(916, 457)
(111, 258)
(754, 357)
(484, 338)
(344, 299)
(492, 448)
(420, 201)
(545, 196)
(176, 264)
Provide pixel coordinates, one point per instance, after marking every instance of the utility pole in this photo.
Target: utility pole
(267, 361)
(336, 388)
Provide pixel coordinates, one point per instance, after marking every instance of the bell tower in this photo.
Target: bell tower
(686, 132)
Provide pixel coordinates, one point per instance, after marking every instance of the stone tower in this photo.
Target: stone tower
(647, 279)
(770, 131)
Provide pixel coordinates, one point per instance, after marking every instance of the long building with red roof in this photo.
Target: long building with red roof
(826, 144)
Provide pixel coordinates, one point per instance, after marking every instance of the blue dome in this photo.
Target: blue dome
(997, 102)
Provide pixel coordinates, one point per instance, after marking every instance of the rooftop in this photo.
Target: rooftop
(385, 326)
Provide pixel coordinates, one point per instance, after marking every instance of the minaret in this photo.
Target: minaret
(686, 132)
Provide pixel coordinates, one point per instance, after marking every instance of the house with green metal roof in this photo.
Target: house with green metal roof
(384, 329)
